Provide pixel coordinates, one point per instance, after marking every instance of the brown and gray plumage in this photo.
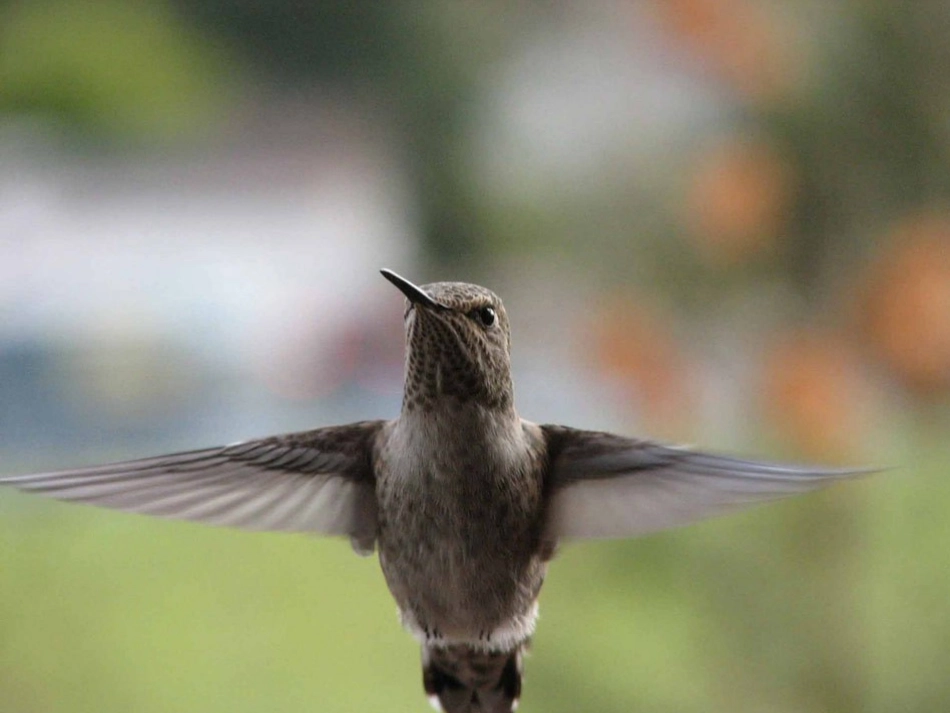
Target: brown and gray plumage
(464, 500)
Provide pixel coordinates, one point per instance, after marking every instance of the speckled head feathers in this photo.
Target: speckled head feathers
(457, 345)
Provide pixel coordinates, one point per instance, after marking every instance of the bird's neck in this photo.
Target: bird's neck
(461, 415)
(451, 427)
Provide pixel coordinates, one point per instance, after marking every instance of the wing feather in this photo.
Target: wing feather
(603, 485)
(314, 481)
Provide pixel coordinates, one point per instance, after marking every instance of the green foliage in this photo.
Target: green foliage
(115, 68)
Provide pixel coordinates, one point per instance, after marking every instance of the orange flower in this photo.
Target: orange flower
(907, 304)
(634, 345)
(738, 39)
(737, 200)
(813, 394)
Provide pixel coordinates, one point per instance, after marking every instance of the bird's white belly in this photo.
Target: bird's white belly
(456, 545)
(502, 638)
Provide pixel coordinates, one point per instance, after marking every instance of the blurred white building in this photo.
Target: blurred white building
(130, 280)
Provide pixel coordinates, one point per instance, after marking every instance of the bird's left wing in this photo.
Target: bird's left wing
(603, 485)
(313, 481)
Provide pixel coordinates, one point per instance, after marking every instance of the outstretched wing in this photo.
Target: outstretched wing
(604, 485)
(313, 481)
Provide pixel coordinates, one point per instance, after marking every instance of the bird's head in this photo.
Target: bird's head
(458, 343)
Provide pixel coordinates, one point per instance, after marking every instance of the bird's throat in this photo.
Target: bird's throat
(459, 435)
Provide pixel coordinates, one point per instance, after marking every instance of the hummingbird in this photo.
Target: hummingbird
(464, 501)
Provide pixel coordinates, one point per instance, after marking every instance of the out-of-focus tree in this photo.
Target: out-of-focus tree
(114, 71)
(415, 65)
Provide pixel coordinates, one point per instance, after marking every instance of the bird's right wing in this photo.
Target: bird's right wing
(604, 485)
(313, 481)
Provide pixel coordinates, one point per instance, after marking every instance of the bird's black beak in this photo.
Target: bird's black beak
(414, 293)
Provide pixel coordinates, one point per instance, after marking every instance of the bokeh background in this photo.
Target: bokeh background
(714, 221)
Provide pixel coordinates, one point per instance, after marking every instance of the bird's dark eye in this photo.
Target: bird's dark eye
(485, 315)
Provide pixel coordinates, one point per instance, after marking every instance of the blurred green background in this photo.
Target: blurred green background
(717, 221)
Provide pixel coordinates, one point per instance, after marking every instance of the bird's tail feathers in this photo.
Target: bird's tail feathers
(463, 679)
